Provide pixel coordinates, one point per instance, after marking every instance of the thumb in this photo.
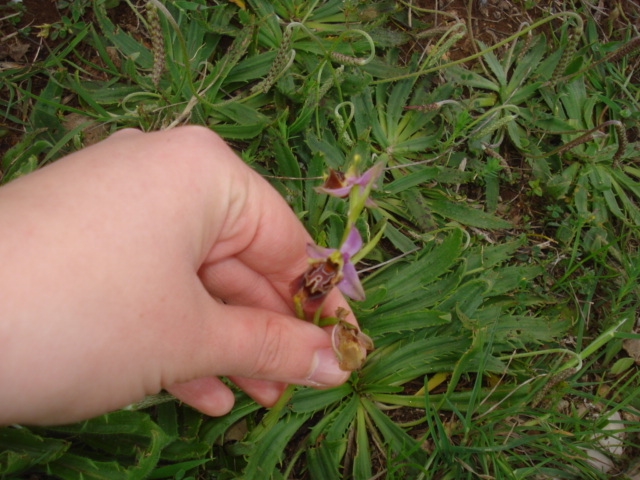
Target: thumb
(261, 344)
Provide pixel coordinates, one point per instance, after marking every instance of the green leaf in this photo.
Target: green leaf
(558, 186)
(508, 278)
(406, 321)
(73, 466)
(321, 461)
(123, 42)
(214, 429)
(400, 363)
(470, 79)
(525, 68)
(600, 178)
(394, 235)
(494, 64)
(175, 469)
(630, 207)
(468, 297)
(362, 469)
(467, 215)
(21, 449)
(307, 400)
(427, 266)
(238, 132)
(398, 441)
(270, 450)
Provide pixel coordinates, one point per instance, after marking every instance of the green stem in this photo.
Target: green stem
(272, 416)
(539, 23)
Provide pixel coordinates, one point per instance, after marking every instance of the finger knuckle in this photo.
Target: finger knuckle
(271, 355)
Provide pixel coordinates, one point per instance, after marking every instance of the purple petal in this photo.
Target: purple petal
(370, 176)
(352, 244)
(340, 192)
(316, 252)
(350, 284)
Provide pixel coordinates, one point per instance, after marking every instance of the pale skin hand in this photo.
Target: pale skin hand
(114, 262)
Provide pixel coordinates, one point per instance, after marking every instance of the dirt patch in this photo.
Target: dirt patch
(19, 31)
(492, 21)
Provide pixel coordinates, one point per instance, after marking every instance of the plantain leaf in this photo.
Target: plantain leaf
(362, 469)
(407, 448)
(21, 449)
(400, 363)
(467, 78)
(311, 400)
(466, 215)
(321, 461)
(270, 450)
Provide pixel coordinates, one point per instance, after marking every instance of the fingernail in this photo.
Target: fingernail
(326, 371)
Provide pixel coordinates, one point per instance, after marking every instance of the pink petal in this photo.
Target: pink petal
(340, 192)
(352, 244)
(350, 284)
(370, 175)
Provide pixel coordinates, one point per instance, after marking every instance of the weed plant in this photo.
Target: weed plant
(505, 285)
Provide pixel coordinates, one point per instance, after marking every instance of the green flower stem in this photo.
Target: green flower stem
(600, 341)
(576, 357)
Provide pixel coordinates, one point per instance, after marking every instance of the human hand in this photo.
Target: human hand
(150, 261)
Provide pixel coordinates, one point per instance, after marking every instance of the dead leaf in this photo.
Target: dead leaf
(17, 50)
(239, 3)
(92, 132)
(632, 347)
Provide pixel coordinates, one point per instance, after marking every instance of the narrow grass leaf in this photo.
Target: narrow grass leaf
(467, 215)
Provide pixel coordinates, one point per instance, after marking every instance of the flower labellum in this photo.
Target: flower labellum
(328, 268)
(347, 276)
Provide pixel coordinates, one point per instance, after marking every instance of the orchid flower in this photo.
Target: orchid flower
(329, 267)
(339, 184)
(346, 277)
